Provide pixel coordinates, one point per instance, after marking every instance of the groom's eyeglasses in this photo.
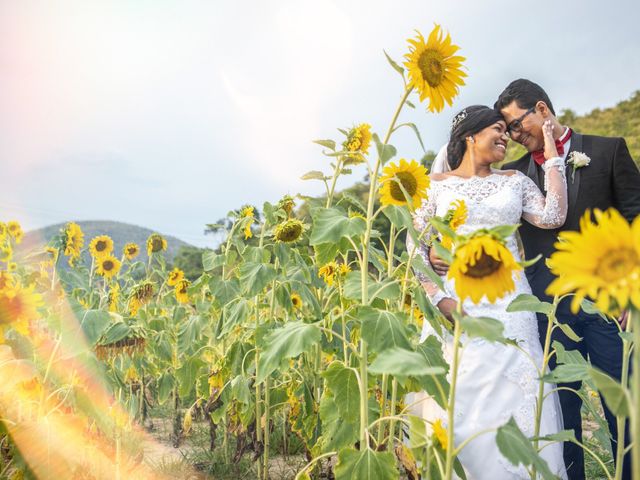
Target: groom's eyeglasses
(516, 125)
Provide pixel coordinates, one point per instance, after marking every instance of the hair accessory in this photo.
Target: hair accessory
(458, 119)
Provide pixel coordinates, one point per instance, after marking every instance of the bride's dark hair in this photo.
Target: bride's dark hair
(466, 123)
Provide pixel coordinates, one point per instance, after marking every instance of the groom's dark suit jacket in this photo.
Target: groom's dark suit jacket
(611, 179)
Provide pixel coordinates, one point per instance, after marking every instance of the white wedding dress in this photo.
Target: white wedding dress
(495, 381)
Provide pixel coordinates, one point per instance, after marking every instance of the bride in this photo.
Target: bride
(495, 381)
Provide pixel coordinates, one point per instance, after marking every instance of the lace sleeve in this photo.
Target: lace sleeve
(421, 218)
(550, 211)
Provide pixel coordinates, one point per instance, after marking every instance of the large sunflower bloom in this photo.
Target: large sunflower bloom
(156, 243)
(411, 176)
(108, 266)
(18, 306)
(483, 266)
(434, 71)
(131, 250)
(101, 246)
(73, 241)
(601, 261)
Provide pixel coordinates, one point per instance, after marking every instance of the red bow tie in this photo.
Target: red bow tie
(538, 155)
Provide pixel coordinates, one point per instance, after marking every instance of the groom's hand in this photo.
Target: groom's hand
(622, 320)
(439, 266)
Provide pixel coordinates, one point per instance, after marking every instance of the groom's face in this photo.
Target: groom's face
(525, 126)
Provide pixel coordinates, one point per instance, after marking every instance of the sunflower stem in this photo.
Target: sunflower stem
(620, 420)
(364, 278)
(635, 385)
(336, 174)
(457, 332)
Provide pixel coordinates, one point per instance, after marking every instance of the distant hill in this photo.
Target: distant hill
(121, 233)
(623, 120)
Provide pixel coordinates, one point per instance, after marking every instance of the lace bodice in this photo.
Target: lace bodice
(501, 198)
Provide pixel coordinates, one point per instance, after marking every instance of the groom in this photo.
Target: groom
(611, 179)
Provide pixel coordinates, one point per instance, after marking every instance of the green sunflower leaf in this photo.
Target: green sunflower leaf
(365, 465)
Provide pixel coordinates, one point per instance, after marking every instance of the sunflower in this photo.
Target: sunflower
(601, 261)
(108, 266)
(156, 243)
(15, 230)
(101, 246)
(455, 217)
(175, 276)
(344, 269)
(3, 231)
(247, 212)
(51, 255)
(181, 291)
(6, 252)
(440, 433)
(131, 250)
(296, 300)
(73, 241)
(141, 294)
(482, 266)
(114, 294)
(18, 306)
(287, 203)
(288, 231)
(408, 176)
(434, 71)
(328, 272)
(12, 266)
(6, 281)
(357, 143)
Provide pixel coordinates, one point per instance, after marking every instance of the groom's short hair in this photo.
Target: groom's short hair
(525, 93)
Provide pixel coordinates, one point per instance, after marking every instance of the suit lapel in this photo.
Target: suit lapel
(573, 185)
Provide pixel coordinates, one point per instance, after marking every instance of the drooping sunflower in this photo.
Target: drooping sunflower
(481, 266)
(357, 143)
(73, 241)
(455, 217)
(101, 246)
(410, 176)
(108, 266)
(141, 294)
(156, 243)
(175, 276)
(296, 300)
(289, 230)
(181, 291)
(131, 250)
(601, 261)
(15, 230)
(328, 272)
(434, 71)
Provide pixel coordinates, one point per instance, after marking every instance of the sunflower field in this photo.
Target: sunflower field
(296, 333)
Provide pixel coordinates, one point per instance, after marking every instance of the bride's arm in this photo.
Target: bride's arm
(550, 211)
(421, 218)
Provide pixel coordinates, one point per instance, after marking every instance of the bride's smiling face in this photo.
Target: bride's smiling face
(490, 144)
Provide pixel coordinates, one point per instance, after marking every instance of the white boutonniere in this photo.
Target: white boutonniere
(577, 160)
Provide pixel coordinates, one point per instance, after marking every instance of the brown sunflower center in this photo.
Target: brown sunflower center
(108, 265)
(431, 64)
(485, 266)
(617, 265)
(101, 246)
(131, 250)
(409, 183)
(156, 244)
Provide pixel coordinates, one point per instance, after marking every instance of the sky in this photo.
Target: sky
(170, 113)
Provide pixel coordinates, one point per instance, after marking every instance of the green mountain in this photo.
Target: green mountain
(623, 120)
(121, 233)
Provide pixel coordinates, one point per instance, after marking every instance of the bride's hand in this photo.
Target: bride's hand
(550, 149)
(447, 306)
